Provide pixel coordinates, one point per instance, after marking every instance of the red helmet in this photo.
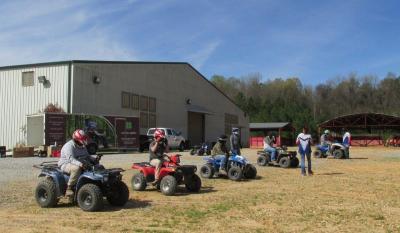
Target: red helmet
(159, 134)
(80, 137)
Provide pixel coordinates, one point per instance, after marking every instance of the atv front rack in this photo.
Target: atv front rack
(48, 164)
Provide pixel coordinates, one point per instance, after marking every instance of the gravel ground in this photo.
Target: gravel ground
(21, 169)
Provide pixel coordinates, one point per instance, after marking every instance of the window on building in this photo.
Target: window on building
(144, 103)
(152, 120)
(152, 104)
(27, 78)
(144, 120)
(125, 99)
(135, 102)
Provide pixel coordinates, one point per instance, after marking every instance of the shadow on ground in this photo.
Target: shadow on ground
(330, 174)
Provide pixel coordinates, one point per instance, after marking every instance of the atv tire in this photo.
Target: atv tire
(250, 172)
(119, 194)
(138, 182)
(45, 193)
(235, 173)
(192, 152)
(294, 162)
(90, 197)
(182, 146)
(284, 162)
(207, 171)
(263, 160)
(317, 154)
(168, 185)
(338, 154)
(193, 183)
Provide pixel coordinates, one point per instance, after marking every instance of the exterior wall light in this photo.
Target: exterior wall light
(96, 80)
(43, 80)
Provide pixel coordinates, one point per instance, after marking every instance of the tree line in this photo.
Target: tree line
(281, 100)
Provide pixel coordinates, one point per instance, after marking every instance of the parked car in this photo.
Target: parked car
(175, 138)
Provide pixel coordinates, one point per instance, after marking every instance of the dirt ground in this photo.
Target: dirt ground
(356, 195)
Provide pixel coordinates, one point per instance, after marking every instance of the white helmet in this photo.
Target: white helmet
(326, 131)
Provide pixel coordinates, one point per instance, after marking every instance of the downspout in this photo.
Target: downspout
(69, 96)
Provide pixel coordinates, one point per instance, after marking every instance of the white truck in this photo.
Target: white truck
(175, 139)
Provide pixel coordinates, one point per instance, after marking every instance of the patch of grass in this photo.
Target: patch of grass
(377, 217)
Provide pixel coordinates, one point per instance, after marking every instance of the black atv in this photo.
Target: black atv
(94, 183)
(284, 158)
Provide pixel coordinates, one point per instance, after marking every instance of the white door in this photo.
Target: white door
(35, 130)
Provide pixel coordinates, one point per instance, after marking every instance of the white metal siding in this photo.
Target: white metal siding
(16, 101)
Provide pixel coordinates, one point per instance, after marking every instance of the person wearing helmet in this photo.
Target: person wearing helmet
(157, 148)
(220, 151)
(72, 153)
(325, 142)
(235, 141)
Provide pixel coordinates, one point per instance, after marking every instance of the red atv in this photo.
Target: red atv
(172, 174)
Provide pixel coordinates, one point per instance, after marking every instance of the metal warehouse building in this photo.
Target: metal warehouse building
(161, 94)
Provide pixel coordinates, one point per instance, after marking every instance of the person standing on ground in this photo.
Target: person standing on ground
(346, 143)
(304, 141)
(235, 141)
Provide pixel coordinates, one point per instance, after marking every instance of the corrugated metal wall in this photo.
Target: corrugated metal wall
(16, 101)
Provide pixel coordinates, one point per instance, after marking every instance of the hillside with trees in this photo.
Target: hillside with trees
(290, 100)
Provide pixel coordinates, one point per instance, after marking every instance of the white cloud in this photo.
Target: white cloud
(199, 57)
(52, 31)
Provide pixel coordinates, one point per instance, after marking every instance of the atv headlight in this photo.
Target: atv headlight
(105, 178)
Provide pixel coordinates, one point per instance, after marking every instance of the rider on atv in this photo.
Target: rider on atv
(74, 157)
(325, 142)
(157, 149)
(269, 141)
(221, 151)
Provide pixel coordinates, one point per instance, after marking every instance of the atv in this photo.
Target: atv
(93, 184)
(284, 158)
(200, 150)
(337, 150)
(172, 174)
(237, 167)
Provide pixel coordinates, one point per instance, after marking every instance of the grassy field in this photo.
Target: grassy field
(357, 195)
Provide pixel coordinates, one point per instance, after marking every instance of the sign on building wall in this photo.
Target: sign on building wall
(105, 131)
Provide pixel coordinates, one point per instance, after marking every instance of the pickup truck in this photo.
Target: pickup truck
(175, 139)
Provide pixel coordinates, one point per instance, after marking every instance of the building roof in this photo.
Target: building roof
(363, 121)
(269, 125)
(70, 62)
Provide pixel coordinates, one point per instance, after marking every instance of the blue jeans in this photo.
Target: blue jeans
(223, 160)
(236, 151)
(272, 151)
(303, 169)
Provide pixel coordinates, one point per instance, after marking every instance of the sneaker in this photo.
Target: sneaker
(303, 174)
(69, 193)
(310, 173)
(155, 183)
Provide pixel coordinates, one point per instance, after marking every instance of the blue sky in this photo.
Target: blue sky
(312, 40)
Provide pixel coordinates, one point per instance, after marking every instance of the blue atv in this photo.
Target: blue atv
(94, 183)
(237, 167)
(337, 150)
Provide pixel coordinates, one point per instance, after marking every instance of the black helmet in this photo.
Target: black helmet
(222, 138)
